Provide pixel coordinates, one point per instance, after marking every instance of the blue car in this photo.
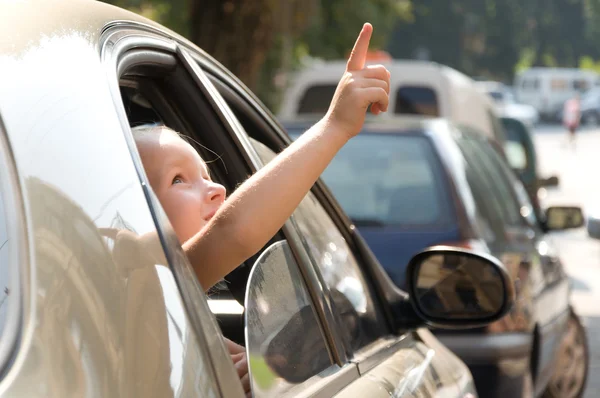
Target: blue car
(407, 187)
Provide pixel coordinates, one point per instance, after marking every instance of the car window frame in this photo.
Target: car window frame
(118, 41)
(19, 257)
(133, 37)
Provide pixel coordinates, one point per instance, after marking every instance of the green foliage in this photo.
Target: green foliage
(489, 38)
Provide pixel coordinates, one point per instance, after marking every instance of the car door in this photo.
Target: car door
(353, 312)
(551, 301)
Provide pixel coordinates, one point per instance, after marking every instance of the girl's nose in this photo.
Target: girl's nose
(216, 193)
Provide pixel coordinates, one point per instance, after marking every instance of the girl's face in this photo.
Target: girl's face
(180, 180)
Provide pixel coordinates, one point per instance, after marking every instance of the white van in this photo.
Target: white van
(418, 89)
(547, 89)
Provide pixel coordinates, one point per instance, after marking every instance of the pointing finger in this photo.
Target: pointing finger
(358, 56)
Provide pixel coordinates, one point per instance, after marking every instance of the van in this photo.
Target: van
(547, 89)
(419, 89)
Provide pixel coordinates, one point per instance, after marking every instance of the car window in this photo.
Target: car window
(500, 190)
(391, 180)
(517, 199)
(416, 100)
(559, 84)
(581, 85)
(359, 317)
(488, 215)
(316, 99)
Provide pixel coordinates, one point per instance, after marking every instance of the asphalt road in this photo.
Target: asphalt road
(578, 167)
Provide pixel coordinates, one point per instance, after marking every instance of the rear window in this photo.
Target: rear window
(416, 100)
(559, 84)
(530, 84)
(390, 180)
(316, 99)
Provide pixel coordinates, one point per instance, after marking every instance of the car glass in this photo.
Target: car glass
(393, 180)
(361, 320)
(316, 99)
(416, 100)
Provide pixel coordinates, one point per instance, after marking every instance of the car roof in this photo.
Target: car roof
(401, 125)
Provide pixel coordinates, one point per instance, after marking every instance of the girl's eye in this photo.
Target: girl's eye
(177, 180)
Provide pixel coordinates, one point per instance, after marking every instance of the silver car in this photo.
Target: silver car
(87, 311)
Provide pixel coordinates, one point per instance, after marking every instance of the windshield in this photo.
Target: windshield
(389, 180)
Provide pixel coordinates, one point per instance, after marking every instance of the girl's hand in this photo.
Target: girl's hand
(358, 88)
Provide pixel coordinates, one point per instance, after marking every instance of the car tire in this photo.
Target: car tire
(570, 374)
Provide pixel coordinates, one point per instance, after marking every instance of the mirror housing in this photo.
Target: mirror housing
(593, 227)
(551, 181)
(454, 288)
(560, 218)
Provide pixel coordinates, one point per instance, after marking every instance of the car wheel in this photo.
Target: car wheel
(572, 365)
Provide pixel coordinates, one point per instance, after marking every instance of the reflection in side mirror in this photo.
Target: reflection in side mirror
(452, 287)
(593, 227)
(561, 218)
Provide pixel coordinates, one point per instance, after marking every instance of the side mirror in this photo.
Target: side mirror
(559, 218)
(456, 288)
(593, 227)
(552, 181)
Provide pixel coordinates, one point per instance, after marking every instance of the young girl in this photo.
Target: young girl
(218, 234)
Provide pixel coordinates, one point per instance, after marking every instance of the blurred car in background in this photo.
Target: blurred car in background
(412, 185)
(418, 90)
(547, 89)
(506, 104)
(593, 226)
(590, 108)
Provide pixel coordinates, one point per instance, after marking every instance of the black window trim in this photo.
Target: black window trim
(116, 44)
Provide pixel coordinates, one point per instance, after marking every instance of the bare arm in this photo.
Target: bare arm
(262, 204)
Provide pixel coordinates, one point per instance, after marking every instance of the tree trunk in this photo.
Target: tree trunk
(238, 33)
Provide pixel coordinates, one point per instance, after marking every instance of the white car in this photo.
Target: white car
(506, 105)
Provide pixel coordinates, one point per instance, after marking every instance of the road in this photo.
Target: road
(577, 167)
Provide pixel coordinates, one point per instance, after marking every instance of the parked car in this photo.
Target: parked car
(88, 311)
(506, 105)
(418, 89)
(547, 89)
(414, 185)
(593, 226)
(590, 107)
